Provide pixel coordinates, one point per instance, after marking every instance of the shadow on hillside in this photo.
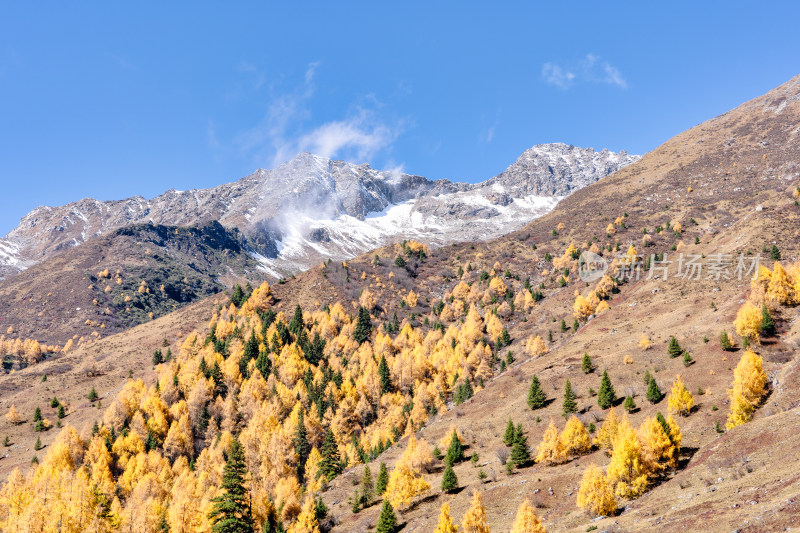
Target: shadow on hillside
(419, 502)
(686, 455)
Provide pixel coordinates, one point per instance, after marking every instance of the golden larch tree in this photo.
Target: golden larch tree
(527, 521)
(575, 439)
(595, 494)
(551, 449)
(626, 472)
(404, 485)
(644, 342)
(748, 322)
(474, 520)
(608, 431)
(680, 400)
(749, 387)
(445, 524)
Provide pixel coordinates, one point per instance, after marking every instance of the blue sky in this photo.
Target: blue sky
(112, 101)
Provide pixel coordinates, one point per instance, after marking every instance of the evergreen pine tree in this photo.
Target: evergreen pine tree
(387, 521)
(674, 349)
(331, 464)
(508, 436)
(767, 323)
(230, 511)
(563, 326)
(384, 375)
(570, 405)
(296, 325)
(383, 480)
(264, 364)
(576, 325)
(455, 452)
(37, 415)
(367, 487)
(61, 412)
(157, 358)
(301, 446)
(653, 392)
(587, 365)
(449, 479)
(54, 402)
(520, 453)
(629, 404)
(536, 396)
(606, 396)
(725, 341)
(38, 444)
(363, 326)
(238, 297)
(150, 442)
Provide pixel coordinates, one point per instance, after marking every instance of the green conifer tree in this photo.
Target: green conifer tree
(363, 326)
(455, 452)
(587, 365)
(387, 521)
(449, 479)
(629, 404)
(653, 394)
(331, 464)
(606, 396)
(383, 479)
(520, 453)
(384, 375)
(508, 436)
(767, 323)
(674, 349)
(367, 487)
(536, 396)
(230, 511)
(301, 445)
(570, 405)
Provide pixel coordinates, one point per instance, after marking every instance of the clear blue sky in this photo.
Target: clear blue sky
(136, 98)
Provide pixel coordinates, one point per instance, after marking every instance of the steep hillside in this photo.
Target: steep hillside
(409, 341)
(121, 280)
(312, 208)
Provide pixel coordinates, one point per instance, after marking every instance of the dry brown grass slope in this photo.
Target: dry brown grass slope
(742, 168)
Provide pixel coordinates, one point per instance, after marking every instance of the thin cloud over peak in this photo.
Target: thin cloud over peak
(591, 69)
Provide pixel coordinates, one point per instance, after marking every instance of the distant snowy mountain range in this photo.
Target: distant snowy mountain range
(312, 208)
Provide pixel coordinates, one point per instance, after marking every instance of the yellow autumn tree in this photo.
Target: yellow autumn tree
(575, 439)
(644, 342)
(749, 387)
(526, 520)
(404, 485)
(411, 299)
(658, 451)
(779, 290)
(551, 449)
(474, 520)
(307, 519)
(748, 322)
(582, 309)
(595, 494)
(367, 300)
(680, 400)
(626, 472)
(13, 416)
(608, 431)
(535, 346)
(445, 524)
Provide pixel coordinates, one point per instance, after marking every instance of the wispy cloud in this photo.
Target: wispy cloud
(287, 129)
(557, 75)
(590, 69)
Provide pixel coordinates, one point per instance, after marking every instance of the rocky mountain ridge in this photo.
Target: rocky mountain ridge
(312, 208)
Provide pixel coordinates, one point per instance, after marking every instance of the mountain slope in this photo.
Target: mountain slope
(724, 187)
(312, 208)
(116, 281)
